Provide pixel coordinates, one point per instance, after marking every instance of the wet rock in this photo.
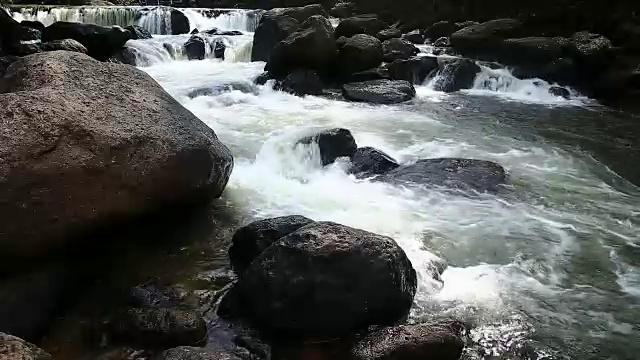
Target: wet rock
(394, 49)
(126, 56)
(456, 75)
(139, 32)
(263, 78)
(342, 10)
(378, 73)
(412, 342)
(360, 52)
(196, 47)
(442, 42)
(368, 161)
(464, 24)
(360, 25)
(312, 46)
(66, 44)
(390, 33)
(218, 48)
(152, 294)
(195, 353)
(14, 348)
(301, 82)
(101, 41)
(159, 327)
(592, 49)
(218, 89)
(379, 91)
(179, 23)
(194, 31)
(440, 29)
(300, 13)
(33, 24)
(16, 39)
(325, 280)
(414, 37)
(532, 50)
(483, 38)
(560, 91)
(251, 240)
(414, 70)
(454, 173)
(83, 157)
(562, 70)
(333, 143)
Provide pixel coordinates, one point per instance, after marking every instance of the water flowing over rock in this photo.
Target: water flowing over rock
(360, 25)
(80, 134)
(456, 75)
(360, 52)
(66, 44)
(326, 280)
(333, 144)
(368, 161)
(301, 82)
(194, 353)
(101, 41)
(13, 348)
(394, 49)
(560, 91)
(379, 91)
(251, 240)
(139, 32)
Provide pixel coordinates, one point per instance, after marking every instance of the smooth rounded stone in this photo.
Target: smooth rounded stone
(414, 70)
(360, 52)
(368, 161)
(390, 33)
(301, 82)
(251, 240)
(560, 92)
(247, 88)
(195, 353)
(145, 154)
(138, 32)
(454, 173)
(196, 47)
(312, 46)
(153, 294)
(378, 73)
(326, 280)
(379, 91)
(360, 25)
(394, 49)
(179, 23)
(333, 144)
(457, 74)
(14, 348)
(414, 37)
(33, 24)
(101, 41)
(440, 29)
(442, 341)
(159, 327)
(481, 38)
(66, 44)
(342, 10)
(442, 42)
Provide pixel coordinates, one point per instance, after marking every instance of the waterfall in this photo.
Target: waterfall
(223, 19)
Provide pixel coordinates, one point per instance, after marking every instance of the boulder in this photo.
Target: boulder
(101, 41)
(414, 37)
(333, 143)
(440, 29)
(251, 240)
(263, 78)
(390, 33)
(368, 161)
(326, 280)
(531, 50)
(454, 173)
(360, 25)
(159, 327)
(126, 55)
(378, 73)
(79, 134)
(16, 39)
(342, 10)
(138, 32)
(414, 70)
(153, 294)
(442, 42)
(379, 91)
(312, 46)
(394, 49)
(66, 44)
(33, 24)
(360, 52)
(560, 92)
(215, 31)
(14, 348)
(196, 47)
(179, 23)
(464, 24)
(195, 353)
(218, 47)
(194, 31)
(301, 82)
(456, 75)
(591, 49)
(442, 341)
(562, 70)
(483, 38)
(301, 13)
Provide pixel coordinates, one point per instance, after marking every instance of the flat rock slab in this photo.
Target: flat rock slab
(379, 91)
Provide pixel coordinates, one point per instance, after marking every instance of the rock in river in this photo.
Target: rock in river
(368, 25)
(379, 91)
(360, 52)
(368, 161)
(101, 41)
(333, 143)
(456, 75)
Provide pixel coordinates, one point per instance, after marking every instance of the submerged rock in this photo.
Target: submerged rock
(251, 240)
(195, 353)
(379, 91)
(456, 75)
(66, 44)
(139, 33)
(326, 280)
(159, 327)
(14, 348)
(301, 82)
(360, 52)
(101, 41)
(333, 143)
(218, 89)
(368, 161)
(560, 91)
(368, 25)
(395, 49)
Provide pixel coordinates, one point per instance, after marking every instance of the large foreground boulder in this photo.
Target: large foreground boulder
(86, 143)
(326, 280)
(101, 41)
(456, 75)
(360, 52)
(333, 143)
(13, 348)
(379, 91)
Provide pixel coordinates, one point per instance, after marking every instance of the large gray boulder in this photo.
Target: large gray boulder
(13, 348)
(86, 143)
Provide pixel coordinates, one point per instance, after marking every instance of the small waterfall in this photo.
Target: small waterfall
(223, 19)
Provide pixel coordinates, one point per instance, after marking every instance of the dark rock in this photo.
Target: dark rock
(13, 348)
(464, 24)
(159, 327)
(592, 49)
(342, 10)
(16, 39)
(440, 29)
(301, 82)
(218, 89)
(412, 342)
(562, 70)
(532, 50)
(179, 23)
(414, 70)
(270, 31)
(442, 42)
(341, 41)
(456, 75)
(255, 346)
(25, 49)
(5, 62)
(194, 353)
(263, 78)
(66, 44)
(218, 48)
(33, 24)
(390, 33)
(560, 91)
(414, 37)
(333, 143)
(101, 41)
(301, 14)
(196, 47)
(394, 49)
(153, 294)
(216, 31)
(126, 55)
(360, 52)
(368, 161)
(462, 174)
(312, 46)
(326, 280)
(139, 32)
(360, 25)
(483, 38)
(145, 153)
(194, 31)
(379, 91)
(371, 74)
(251, 240)
(618, 86)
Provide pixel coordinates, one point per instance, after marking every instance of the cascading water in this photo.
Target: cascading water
(223, 19)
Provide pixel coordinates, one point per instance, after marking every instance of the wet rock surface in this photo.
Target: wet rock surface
(333, 144)
(379, 91)
(369, 161)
